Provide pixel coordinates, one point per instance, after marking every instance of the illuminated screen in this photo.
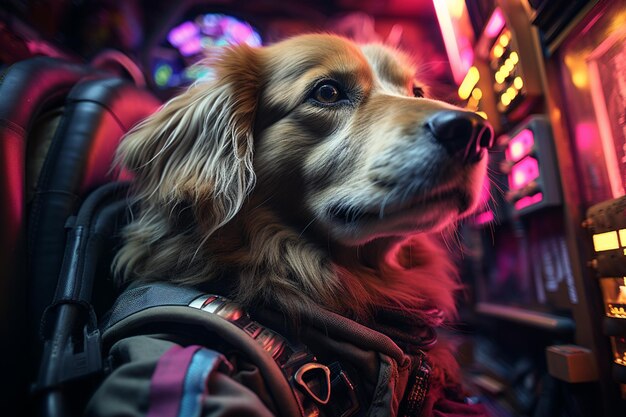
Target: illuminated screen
(187, 42)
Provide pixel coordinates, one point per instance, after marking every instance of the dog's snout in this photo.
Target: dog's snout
(461, 132)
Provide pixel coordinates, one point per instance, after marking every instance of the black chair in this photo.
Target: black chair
(32, 96)
(60, 124)
(96, 116)
(71, 363)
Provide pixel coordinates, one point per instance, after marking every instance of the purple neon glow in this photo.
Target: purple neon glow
(495, 24)
(191, 46)
(523, 173)
(520, 146)
(182, 33)
(191, 38)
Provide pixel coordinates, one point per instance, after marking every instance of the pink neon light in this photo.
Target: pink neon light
(484, 217)
(529, 200)
(606, 134)
(586, 136)
(523, 173)
(190, 47)
(495, 24)
(520, 146)
(448, 33)
(181, 33)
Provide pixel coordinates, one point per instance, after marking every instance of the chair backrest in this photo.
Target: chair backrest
(32, 95)
(96, 116)
(30, 91)
(60, 124)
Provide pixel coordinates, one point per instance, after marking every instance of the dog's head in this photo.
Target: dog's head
(337, 138)
(293, 162)
(345, 138)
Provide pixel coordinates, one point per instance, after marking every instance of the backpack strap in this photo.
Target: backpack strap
(300, 385)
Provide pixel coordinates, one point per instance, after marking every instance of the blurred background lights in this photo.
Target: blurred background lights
(191, 40)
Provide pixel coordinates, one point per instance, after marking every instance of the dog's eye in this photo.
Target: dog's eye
(326, 93)
(418, 91)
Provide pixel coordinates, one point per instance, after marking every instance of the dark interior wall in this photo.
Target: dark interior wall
(83, 28)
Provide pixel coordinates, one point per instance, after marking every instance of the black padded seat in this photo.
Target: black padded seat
(32, 95)
(28, 90)
(96, 116)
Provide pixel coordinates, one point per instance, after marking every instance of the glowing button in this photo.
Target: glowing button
(605, 241)
(523, 172)
(520, 145)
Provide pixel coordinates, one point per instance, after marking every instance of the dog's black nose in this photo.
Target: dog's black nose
(461, 132)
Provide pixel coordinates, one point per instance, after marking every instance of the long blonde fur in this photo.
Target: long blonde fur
(206, 189)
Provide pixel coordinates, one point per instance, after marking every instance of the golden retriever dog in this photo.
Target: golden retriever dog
(314, 171)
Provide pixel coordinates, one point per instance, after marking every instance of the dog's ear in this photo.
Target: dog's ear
(197, 149)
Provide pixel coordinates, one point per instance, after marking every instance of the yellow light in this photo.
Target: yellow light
(498, 50)
(505, 99)
(484, 116)
(504, 40)
(500, 77)
(478, 94)
(622, 239)
(508, 65)
(518, 83)
(578, 67)
(468, 83)
(511, 92)
(605, 241)
(456, 8)
(514, 57)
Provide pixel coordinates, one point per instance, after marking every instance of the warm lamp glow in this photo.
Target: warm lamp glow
(518, 83)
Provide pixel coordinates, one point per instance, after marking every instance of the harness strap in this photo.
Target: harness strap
(314, 385)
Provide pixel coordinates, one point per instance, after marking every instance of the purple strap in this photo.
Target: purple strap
(166, 387)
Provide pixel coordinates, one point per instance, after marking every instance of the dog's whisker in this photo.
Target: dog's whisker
(306, 227)
(381, 214)
(262, 203)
